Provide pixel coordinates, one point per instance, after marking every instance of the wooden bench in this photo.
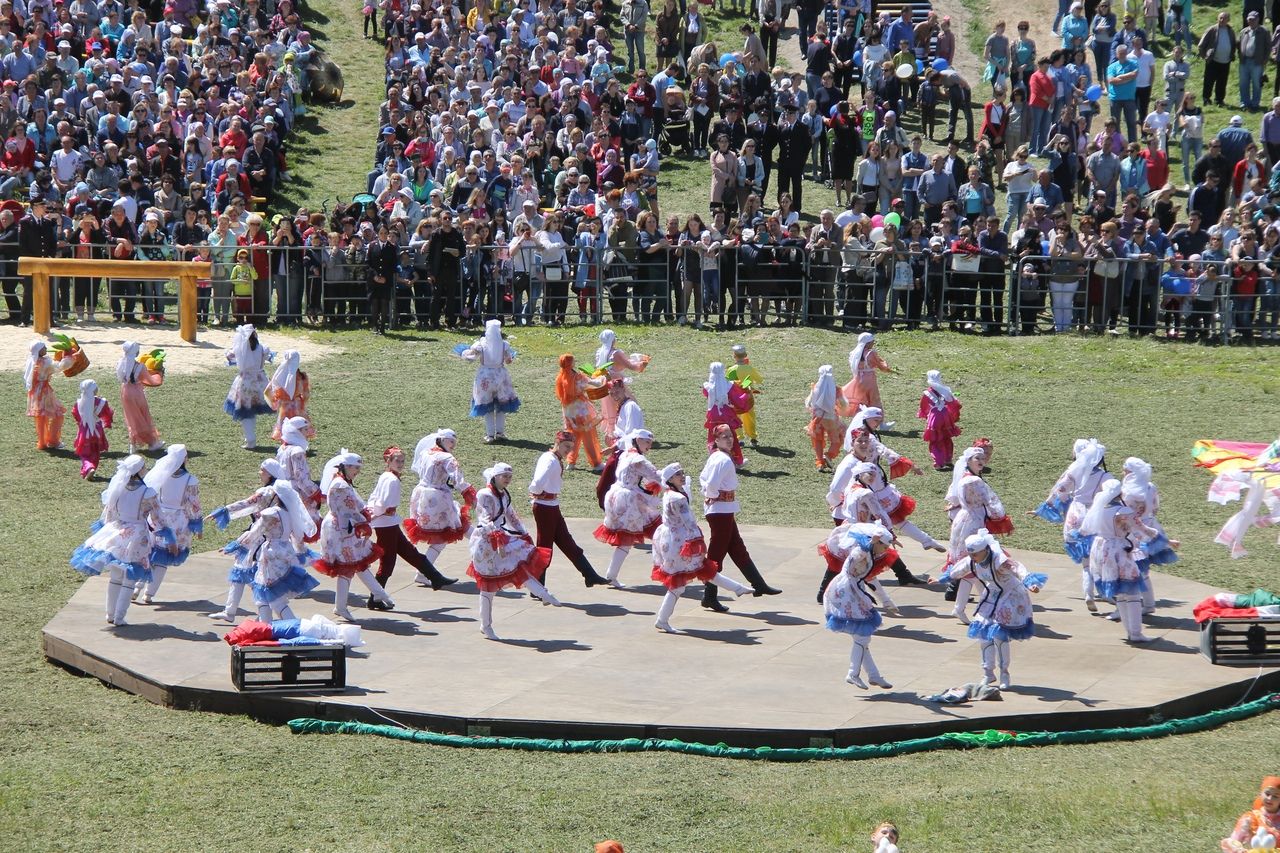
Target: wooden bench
(186, 272)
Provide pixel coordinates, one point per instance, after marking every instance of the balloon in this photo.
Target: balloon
(857, 57)
(1093, 92)
(727, 58)
(834, 109)
(877, 221)
(919, 66)
(877, 234)
(893, 219)
(904, 71)
(940, 64)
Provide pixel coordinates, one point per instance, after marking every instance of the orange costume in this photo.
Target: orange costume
(611, 361)
(1263, 818)
(862, 389)
(288, 393)
(42, 403)
(580, 417)
(825, 428)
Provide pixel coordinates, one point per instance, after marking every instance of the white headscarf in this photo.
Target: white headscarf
(35, 351)
(1078, 447)
(1086, 460)
(983, 539)
(607, 339)
(860, 422)
(125, 469)
(344, 457)
(959, 471)
(863, 468)
(87, 405)
(426, 444)
(292, 431)
(873, 530)
(273, 467)
(1137, 483)
(824, 391)
(934, 379)
(286, 375)
(240, 343)
(128, 361)
(855, 355)
(1092, 523)
(629, 440)
(716, 386)
(495, 470)
(174, 458)
(670, 471)
(492, 341)
(294, 515)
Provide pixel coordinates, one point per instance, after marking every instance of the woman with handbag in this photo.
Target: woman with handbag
(724, 177)
(965, 262)
(555, 273)
(1064, 274)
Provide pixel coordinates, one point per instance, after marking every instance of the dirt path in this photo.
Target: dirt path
(101, 343)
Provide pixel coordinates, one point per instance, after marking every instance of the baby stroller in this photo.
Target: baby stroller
(677, 129)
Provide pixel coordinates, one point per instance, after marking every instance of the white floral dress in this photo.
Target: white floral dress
(434, 516)
(178, 518)
(1004, 611)
(121, 537)
(246, 398)
(847, 602)
(502, 552)
(345, 535)
(632, 507)
(679, 550)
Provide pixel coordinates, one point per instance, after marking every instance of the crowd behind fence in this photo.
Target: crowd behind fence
(1206, 301)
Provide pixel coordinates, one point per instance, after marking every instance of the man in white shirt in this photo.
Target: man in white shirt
(383, 506)
(1146, 74)
(544, 493)
(66, 163)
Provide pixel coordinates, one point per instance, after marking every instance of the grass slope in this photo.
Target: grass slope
(87, 768)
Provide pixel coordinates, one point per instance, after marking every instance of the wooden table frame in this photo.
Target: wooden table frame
(186, 272)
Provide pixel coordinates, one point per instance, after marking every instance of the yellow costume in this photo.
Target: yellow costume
(744, 373)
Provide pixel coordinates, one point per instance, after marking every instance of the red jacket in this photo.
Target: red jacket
(1157, 168)
(1042, 90)
(994, 128)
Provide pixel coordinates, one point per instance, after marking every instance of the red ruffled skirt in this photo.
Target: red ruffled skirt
(710, 568)
(348, 570)
(905, 507)
(531, 566)
(834, 564)
(445, 536)
(1001, 526)
(626, 538)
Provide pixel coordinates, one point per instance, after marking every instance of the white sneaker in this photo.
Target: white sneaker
(1113, 616)
(120, 623)
(488, 439)
(665, 627)
(890, 610)
(1141, 638)
(879, 681)
(853, 679)
(1091, 605)
(617, 584)
(133, 596)
(1004, 681)
(145, 599)
(422, 580)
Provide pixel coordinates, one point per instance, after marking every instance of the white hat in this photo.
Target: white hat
(670, 471)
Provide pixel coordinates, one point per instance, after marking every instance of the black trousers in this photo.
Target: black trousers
(444, 300)
(791, 180)
(1215, 80)
(124, 300)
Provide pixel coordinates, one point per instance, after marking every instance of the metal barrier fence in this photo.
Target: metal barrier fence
(735, 286)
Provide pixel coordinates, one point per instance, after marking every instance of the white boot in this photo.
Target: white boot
(486, 615)
(988, 662)
(886, 603)
(228, 613)
(250, 428)
(962, 600)
(340, 600)
(375, 589)
(490, 427)
(869, 664)
(725, 582)
(1149, 597)
(1086, 587)
(1131, 615)
(153, 586)
(123, 600)
(282, 609)
(113, 594)
(856, 654)
(615, 565)
(500, 420)
(264, 613)
(668, 607)
(540, 592)
(1002, 651)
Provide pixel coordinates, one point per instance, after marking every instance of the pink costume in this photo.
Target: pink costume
(133, 400)
(862, 389)
(93, 418)
(725, 401)
(940, 411)
(617, 361)
(42, 403)
(288, 393)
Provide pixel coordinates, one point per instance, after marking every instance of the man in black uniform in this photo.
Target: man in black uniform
(444, 259)
(381, 263)
(793, 153)
(37, 238)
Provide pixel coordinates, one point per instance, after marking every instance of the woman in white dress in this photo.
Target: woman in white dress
(612, 361)
(973, 505)
(632, 507)
(346, 545)
(245, 401)
(275, 545)
(1140, 495)
(848, 605)
(1116, 531)
(292, 456)
(1070, 500)
(435, 517)
(242, 571)
(492, 395)
(178, 516)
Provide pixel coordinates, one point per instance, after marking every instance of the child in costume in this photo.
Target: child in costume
(492, 396)
(288, 393)
(863, 447)
(1070, 500)
(632, 508)
(42, 403)
(121, 540)
(434, 516)
(745, 375)
(544, 495)
(292, 456)
(611, 362)
(274, 546)
(825, 429)
(1140, 495)
(973, 505)
(178, 516)
(863, 389)
(384, 501)
(885, 838)
(1004, 610)
(133, 400)
(725, 401)
(502, 553)
(346, 551)
(630, 416)
(1115, 531)
(849, 607)
(940, 411)
(243, 275)
(93, 418)
(1258, 828)
(244, 401)
(580, 418)
(679, 551)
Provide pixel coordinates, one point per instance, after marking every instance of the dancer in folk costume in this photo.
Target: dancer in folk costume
(270, 474)
(725, 402)
(745, 375)
(825, 429)
(611, 362)
(288, 393)
(1140, 495)
(863, 389)
(384, 504)
(632, 507)
(1070, 500)
(1004, 610)
(346, 551)
(679, 551)
(434, 516)
(868, 420)
(580, 417)
(492, 396)
(42, 403)
(630, 415)
(502, 553)
(940, 411)
(1116, 531)
(719, 483)
(849, 607)
(544, 493)
(244, 401)
(178, 516)
(972, 505)
(292, 456)
(93, 418)
(861, 507)
(121, 540)
(1258, 828)
(275, 547)
(133, 400)
(899, 507)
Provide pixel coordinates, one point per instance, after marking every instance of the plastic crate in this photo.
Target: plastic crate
(289, 667)
(1241, 642)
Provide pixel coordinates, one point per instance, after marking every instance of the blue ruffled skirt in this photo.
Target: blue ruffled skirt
(297, 582)
(244, 413)
(861, 627)
(162, 556)
(1054, 510)
(92, 561)
(507, 407)
(1078, 548)
(988, 631)
(1110, 589)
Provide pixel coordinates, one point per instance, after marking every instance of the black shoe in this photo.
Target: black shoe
(912, 580)
(375, 604)
(595, 579)
(440, 582)
(765, 589)
(950, 594)
(714, 605)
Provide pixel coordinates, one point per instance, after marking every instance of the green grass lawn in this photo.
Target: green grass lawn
(89, 768)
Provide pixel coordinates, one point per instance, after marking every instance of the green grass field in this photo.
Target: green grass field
(89, 768)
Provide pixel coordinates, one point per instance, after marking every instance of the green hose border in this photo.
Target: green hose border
(991, 738)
